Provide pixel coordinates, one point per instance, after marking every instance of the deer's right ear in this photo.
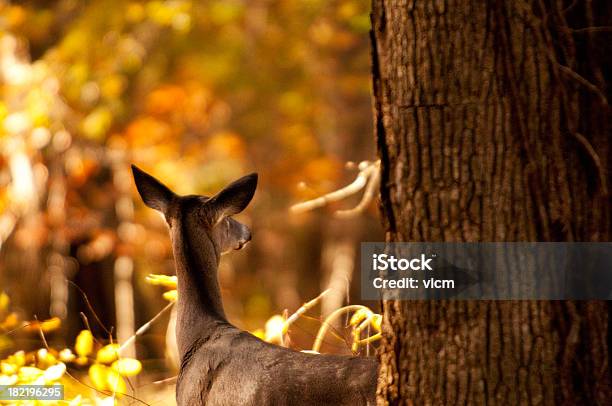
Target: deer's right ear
(236, 196)
(154, 194)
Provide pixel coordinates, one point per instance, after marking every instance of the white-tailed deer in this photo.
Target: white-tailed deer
(221, 364)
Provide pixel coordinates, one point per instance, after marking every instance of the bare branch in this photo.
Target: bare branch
(368, 196)
(368, 177)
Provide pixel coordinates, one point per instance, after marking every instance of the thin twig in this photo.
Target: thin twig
(42, 334)
(305, 307)
(144, 327)
(90, 307)
(14, 330)
(334, 333)
(166, 380)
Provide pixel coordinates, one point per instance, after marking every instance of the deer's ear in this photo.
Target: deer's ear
(236, 196)
(154, 194)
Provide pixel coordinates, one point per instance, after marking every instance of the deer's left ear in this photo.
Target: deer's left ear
(154, 194)
(236, 196)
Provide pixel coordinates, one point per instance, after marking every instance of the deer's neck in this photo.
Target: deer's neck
(200, 308)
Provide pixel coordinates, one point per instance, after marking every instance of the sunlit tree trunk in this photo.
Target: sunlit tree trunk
(492, 123)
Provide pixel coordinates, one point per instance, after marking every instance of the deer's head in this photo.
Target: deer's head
(211, 215)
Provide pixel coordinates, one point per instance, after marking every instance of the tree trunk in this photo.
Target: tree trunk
(492, 123)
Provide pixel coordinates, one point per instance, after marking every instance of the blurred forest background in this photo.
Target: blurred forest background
(197, 94)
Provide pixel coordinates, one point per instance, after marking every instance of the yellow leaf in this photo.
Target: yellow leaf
(55, 372)
(127, 366)
(8, 368)
(27, 374)
(98, 376)
(115, 382)
(108, 353)
(66, 355)
(275, 328)
(4, 301)
(77, 401)
(8, 379)
(45, 358)
(10, 321)
(162, 280)
(84, 343)
(81, 361)
(46, 325)
(18, 358)
(171, 295)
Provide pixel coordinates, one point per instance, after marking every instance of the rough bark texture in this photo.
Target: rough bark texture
(492, 123)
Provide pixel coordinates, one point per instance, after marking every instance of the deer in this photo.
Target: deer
(221, 364)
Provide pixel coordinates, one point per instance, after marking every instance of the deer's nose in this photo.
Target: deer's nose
(246, 237)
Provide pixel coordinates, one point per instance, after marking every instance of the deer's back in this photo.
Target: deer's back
(239, 369)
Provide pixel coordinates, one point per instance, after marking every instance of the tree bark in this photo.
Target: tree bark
(492, 124)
